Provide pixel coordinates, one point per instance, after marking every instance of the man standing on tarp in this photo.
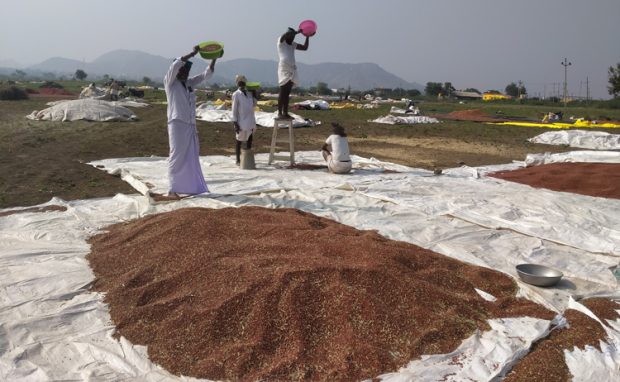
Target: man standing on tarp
(184, 172)
(243, 104)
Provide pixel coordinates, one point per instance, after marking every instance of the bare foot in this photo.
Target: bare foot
(164, 198)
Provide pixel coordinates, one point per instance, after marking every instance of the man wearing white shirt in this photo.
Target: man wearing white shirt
(243, 104)
(338, 159)
(184, 172)
(287, 68)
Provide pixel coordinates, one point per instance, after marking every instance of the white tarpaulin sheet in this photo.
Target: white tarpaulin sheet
(397, 110)
(53, 327)
(206, 113)
(125, 102)
(573, 156)
(318, 104)
(402, 120)
(86, 109)
(596, 140)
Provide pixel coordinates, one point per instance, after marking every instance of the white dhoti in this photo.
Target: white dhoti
(184, 169)
(243, 135)
(286, 73)
(336, 166)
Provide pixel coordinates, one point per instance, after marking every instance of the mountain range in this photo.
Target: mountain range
(135, 65)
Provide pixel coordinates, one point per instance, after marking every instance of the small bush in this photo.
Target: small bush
(52, 85)
(610, 104)
(12, 93)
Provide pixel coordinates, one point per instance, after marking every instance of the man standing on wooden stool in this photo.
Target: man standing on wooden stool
(243, 104)
(287, 69)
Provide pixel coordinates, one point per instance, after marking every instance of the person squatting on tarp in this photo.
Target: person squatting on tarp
(338, 159)
(184, 172)
(287, 68)
(243, 103)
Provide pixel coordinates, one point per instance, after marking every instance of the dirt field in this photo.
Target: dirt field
(40, 160)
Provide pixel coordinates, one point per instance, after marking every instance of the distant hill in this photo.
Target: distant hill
(131, 64)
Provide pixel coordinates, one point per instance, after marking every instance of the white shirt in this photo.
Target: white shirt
(340, 147)
(286, 53)
(182, 99)
(243, 109)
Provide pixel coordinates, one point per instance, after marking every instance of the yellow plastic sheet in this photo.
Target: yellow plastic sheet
(219, 102)
(560, 125)
(268, 102)
(345, 105)
(493, 97)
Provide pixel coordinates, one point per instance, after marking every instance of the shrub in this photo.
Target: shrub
(12, 93)
(613, 103)
(52, 84)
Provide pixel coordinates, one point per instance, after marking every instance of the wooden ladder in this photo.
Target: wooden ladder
(277, 124)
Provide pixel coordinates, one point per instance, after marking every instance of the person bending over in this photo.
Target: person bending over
(338, 159)
(287, 69)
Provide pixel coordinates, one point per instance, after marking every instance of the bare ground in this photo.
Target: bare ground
(40, 160)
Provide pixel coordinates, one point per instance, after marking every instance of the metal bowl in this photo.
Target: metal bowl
(538, 275)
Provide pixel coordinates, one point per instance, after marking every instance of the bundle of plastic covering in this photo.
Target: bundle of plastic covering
(404, 120)
(596, 140)
(84, 109)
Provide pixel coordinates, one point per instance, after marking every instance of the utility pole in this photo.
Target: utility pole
(587, 92)
(565, 64)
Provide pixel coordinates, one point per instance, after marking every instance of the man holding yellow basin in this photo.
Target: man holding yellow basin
(184, 172)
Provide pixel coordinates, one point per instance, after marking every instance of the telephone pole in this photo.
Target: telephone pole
(565, 64)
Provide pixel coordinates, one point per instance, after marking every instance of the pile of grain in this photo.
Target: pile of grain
(593, 179)
(254, 294)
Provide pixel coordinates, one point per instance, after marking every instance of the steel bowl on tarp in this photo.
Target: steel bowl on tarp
(211, 49)
(539, 275)
(308, 28)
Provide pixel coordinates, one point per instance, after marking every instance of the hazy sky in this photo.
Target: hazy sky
(483, 44)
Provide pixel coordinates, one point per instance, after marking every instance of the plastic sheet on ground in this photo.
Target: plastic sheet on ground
(84, 109)
(596, 140)
(561, 125)
(318, 104)
(54, 327)
(343, 105)
(573, 156)
(409, 120)
(411, 111)
(125, 102)
(204, 113)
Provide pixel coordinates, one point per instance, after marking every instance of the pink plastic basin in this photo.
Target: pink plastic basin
(308, 28)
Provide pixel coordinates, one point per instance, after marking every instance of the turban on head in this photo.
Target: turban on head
(240, 78)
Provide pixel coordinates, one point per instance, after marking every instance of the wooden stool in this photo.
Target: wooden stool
(277, 124)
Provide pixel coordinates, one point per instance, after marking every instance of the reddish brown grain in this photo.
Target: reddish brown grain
(260, 294)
